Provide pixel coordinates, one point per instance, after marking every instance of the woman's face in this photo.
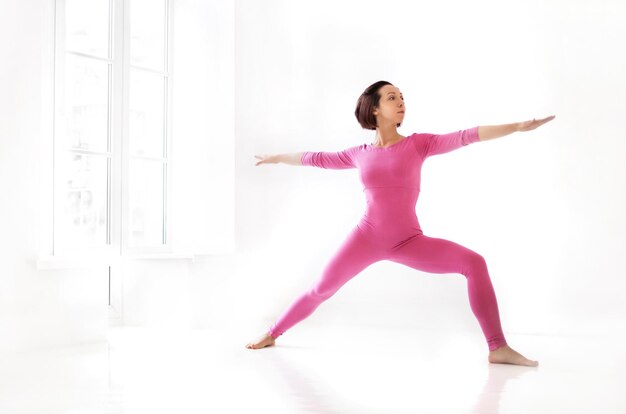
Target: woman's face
(391, 106)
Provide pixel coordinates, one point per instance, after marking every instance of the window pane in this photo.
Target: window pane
(87, 27)
(83, 222)
(146, 117)
(86, 103)
(146, 203)
(147, 34)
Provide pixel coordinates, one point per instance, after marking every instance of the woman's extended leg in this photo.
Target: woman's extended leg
(434, 255)
(354, 255)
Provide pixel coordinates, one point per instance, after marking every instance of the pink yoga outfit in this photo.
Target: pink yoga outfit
(389, 229)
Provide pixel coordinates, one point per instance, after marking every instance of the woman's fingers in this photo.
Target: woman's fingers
(544, 120)
(262, 158)
(535, 123)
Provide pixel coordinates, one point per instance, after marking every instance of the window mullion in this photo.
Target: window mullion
(117, 125)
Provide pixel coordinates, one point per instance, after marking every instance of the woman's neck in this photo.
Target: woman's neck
(386, 136)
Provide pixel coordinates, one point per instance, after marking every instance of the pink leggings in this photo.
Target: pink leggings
(420, 252)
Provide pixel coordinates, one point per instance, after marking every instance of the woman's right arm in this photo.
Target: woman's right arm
(331, 160)
(291, 159)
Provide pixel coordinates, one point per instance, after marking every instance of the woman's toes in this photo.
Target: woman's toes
(263, 342)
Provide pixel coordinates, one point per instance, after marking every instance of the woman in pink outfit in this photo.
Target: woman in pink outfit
(389, 170)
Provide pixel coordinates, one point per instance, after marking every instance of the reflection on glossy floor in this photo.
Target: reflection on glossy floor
(364, 370)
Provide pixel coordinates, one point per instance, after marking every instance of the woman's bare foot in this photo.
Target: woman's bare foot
(264, 341)
(506, 355)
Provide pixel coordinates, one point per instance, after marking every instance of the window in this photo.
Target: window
(112, 126)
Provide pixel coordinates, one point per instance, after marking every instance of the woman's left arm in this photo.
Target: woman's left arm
(487, 132)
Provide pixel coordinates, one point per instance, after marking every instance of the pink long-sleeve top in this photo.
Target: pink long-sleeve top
(391, 176)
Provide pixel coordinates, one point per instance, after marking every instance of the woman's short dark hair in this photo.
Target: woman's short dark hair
(368, 101)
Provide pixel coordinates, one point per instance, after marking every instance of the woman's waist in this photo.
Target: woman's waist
(391, 188)
(390, 218)
(391, 198)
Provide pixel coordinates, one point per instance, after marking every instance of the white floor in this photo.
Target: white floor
(364, 370)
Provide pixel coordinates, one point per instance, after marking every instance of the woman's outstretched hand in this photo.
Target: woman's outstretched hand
(534, 123)
(266, 159)
(291, 159)
(487, 132)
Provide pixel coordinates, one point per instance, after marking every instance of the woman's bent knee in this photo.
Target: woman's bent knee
(475, 262)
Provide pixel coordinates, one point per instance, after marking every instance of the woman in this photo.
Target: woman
(389, 230)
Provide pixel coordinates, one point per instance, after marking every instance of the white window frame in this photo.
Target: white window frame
(118, 217)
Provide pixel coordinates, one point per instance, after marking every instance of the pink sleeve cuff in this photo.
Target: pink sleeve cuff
(472, 135)
(305, 159)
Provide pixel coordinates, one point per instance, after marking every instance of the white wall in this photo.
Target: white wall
(545, 208)
(203, 126)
